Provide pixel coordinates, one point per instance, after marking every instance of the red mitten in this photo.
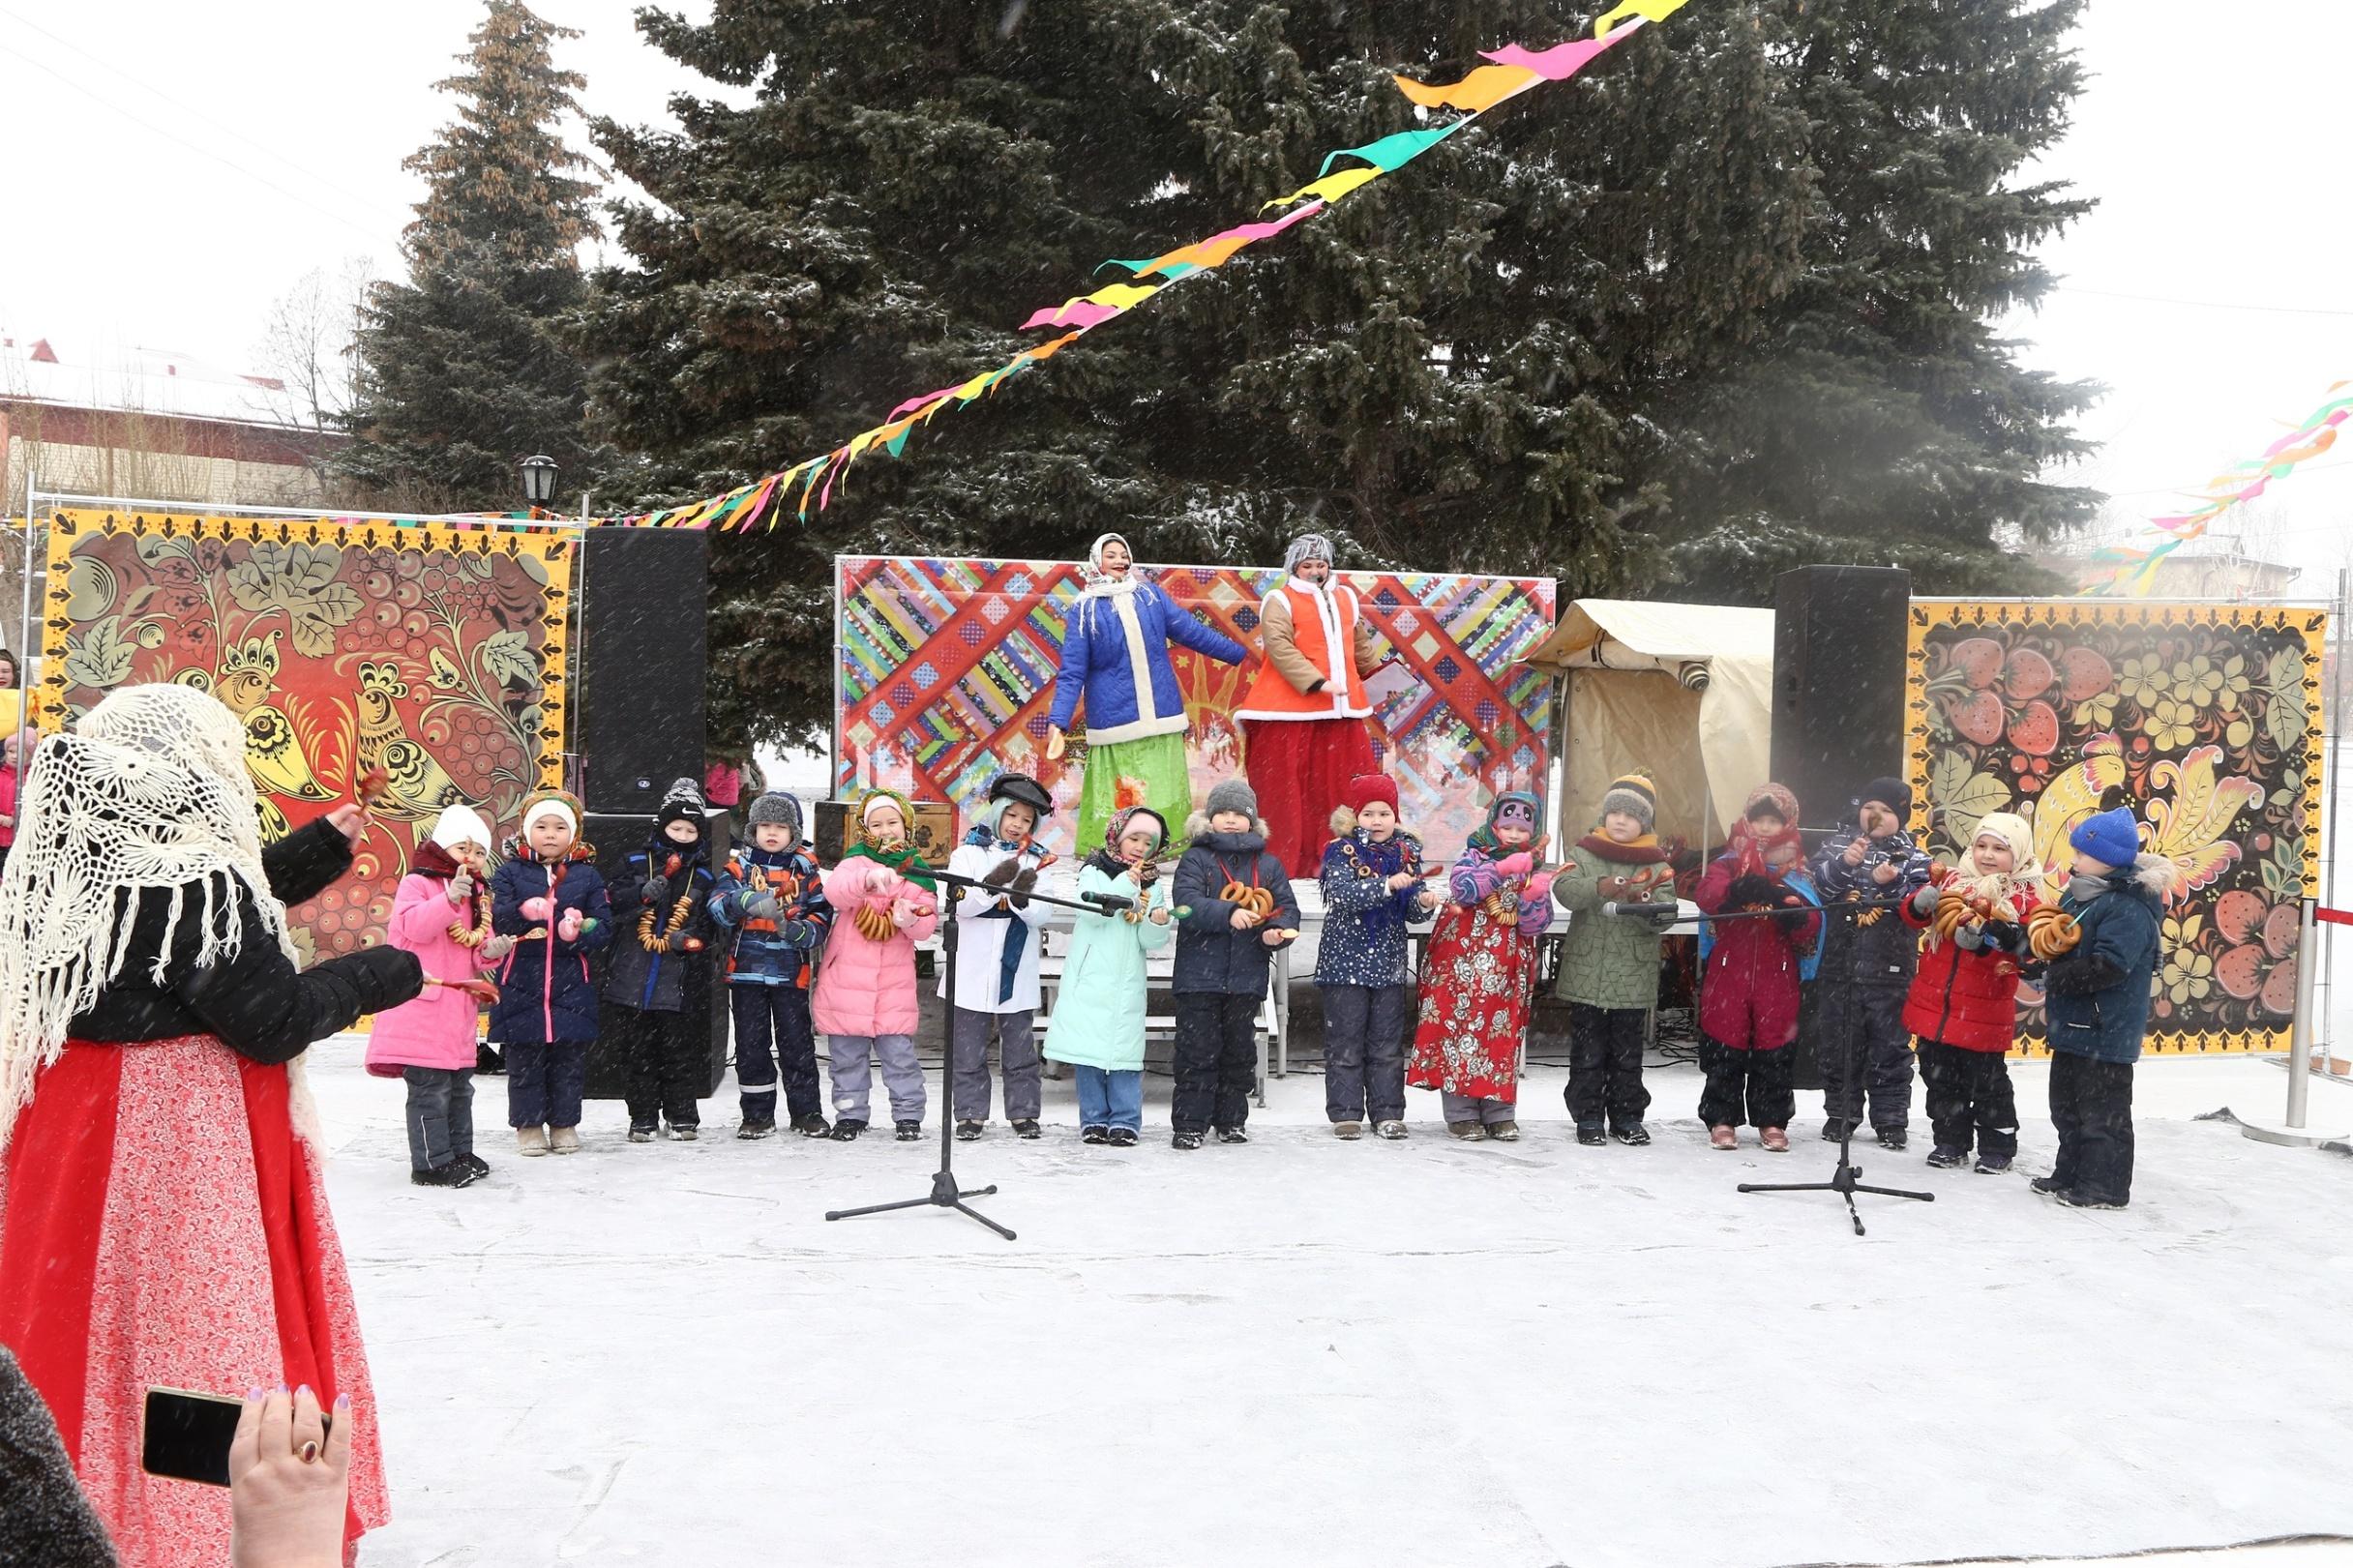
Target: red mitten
(535, 908)
(1518, 864)
(569, 928)
(1540, 888)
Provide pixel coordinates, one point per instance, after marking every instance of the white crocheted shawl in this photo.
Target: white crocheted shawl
(150, 793)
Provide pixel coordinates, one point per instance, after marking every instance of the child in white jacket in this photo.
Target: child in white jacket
(998, 935)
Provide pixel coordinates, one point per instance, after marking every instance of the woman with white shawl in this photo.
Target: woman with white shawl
(1116, 658)
(163, 1216)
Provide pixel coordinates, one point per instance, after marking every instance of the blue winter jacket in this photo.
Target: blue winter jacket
(1211, 955)
(544, 989)
(2098, 994)
(1365, 922)
(1116, 654)
(773, 951)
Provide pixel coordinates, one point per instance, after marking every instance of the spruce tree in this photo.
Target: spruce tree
(1620, 322)
(463, 369)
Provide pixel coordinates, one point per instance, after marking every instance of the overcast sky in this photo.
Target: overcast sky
(180, 166)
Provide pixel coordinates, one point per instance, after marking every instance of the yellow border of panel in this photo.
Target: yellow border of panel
(554, 553)
(1924, 615)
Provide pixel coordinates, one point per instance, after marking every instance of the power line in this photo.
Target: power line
(372, 231)
(324, 182)
(2197, 305)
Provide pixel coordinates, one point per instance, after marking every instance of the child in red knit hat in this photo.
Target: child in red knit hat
(1372, 886)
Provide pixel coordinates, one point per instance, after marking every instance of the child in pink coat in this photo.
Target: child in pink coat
(866, 1002)
(442, 914)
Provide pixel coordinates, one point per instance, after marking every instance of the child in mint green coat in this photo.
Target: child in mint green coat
(1098, 1016)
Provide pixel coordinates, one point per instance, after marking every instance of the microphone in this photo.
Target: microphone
(1108, 903)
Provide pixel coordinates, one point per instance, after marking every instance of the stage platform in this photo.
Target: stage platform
(1302, 1352)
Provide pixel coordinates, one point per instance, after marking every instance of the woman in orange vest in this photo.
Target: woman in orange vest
(1304, 716)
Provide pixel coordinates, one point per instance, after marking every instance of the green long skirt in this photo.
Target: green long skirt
(1168, 786)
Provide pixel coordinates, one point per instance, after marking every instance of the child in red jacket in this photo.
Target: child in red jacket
(1750, 970)
(1963, 1004)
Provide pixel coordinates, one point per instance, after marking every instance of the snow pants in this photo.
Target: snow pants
(1364, 1051)
(2092, 1108)
(1754, 1082)
(1605, 1065)
(1864, 1044)
(968, 1034)
(853, 1056)
(1217, 1060)
(663, 1053)
(440, 1114)
(545, 1081)
(772, 1032)
(1969, 1095)
(1458, 1108)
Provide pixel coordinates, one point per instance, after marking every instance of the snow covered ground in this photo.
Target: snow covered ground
(1302, 1351)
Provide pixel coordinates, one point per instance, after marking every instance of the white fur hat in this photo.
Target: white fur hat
(461, 824)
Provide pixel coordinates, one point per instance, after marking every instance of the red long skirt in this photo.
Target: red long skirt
(1299, 769)
(163, 1226)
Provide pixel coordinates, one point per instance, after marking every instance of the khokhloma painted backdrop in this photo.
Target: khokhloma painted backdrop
(434, 652)
(2207, 715)
(945, 673)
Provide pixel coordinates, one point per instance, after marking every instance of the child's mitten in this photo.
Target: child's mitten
(568, 926)
(535, 908)
(1519, 863)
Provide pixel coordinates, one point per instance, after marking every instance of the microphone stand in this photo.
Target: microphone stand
(945, 1193)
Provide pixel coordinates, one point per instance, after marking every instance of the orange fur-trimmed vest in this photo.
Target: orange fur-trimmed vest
(1308, 637)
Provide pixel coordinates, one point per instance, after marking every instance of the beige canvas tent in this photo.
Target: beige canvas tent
(1682, 691)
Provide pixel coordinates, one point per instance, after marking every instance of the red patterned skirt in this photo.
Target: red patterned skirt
(163, 1226)
(1478, 976)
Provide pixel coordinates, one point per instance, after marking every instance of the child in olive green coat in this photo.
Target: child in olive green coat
(1609, 963)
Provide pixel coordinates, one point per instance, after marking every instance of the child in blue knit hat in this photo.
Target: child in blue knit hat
(2097, 1002)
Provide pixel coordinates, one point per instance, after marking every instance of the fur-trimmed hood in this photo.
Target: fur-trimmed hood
(1344, 823)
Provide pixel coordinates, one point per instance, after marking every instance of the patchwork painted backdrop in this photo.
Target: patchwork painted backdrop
(946, 672)
(434, 652)
(2207, 715)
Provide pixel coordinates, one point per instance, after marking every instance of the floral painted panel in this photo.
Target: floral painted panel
(434, 653)
(2206, 716)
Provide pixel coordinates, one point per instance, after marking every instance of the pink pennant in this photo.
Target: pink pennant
(1078, 312)
(1560, 62)
(917, 403)
(2291, 438)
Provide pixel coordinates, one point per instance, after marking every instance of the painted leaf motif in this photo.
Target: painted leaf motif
(2190, 829)
(1971, 796)
(445, 675)
(2067, 799)
(2284, 718)
(100, 657)
(313, 635)
(507, 655)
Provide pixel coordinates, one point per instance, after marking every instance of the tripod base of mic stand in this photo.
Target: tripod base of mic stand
(1846, 1181)
(945, 1195)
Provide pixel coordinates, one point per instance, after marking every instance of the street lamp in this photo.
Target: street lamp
(539, 479)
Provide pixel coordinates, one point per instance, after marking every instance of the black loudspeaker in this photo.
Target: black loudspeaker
(642, 655)
(615, 837)
(1838, 682)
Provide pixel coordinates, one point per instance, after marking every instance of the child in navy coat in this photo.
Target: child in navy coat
(770, 898)
(1372, 887)
(548, 897)
(661, 983)
(1238, 908)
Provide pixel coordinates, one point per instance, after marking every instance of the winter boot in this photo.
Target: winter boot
(2077, 1201)
(1993, 1165)
(755, 1128)
(564, 1140)
(1121, 1137)
(846, 1130)
(1184, 1140)
(1775, 1138)
(1391, 1130)
(1469, 1132)
(1099, 1135)
(1945, 1157)
(967, 1132)
(475, 1162)
(1028, 1127)
(1723, 1138)
(908, 1131)
(644, 1132)
(1892, 1135)
(1592, 1134)
(685, 1131)
(1503, 1132)
(456, 1173)
(1836, 1129)
(812, 1125)
(1634, 1136)
(1350, 1130)
(2046, 1184)
(531, 1140)
(1232, 1134)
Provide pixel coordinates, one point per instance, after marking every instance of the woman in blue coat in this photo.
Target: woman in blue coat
(1115, 656)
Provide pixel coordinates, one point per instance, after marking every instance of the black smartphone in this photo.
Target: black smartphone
(187, 1436)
